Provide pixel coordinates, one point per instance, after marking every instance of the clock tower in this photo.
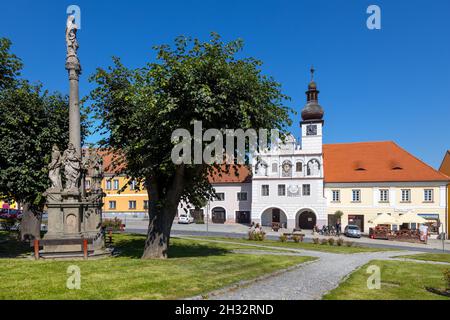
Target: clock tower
(312, 119)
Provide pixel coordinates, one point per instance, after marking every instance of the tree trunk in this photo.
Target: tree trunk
(30, 226)
(158, 236)
(162, 211)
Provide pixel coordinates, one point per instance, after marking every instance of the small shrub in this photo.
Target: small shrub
(331, 241)
(296, 238)
(340, 242)
(447, 278)
(316, 240)
(324, 241)
(283, 238)
(256, 235)
(349, 243)
(114, 224)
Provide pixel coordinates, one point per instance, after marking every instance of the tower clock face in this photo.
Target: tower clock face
(311, 130)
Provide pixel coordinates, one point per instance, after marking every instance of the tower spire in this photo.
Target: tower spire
(312, 110)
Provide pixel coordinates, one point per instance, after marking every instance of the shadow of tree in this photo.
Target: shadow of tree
(133, 247)
(11, 247)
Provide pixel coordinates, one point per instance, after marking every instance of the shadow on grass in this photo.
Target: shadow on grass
(133, 247)
(11, 247)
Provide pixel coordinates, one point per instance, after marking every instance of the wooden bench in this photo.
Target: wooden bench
(61, 242)
(291, 235)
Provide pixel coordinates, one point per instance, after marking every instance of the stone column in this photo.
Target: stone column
(74, 110)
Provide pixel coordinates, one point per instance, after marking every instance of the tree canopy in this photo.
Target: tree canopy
(191, 81)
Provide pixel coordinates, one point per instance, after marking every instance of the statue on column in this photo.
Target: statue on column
(72, 62)
(72, 167)
(54, 169)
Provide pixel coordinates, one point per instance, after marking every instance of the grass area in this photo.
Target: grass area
(195, 267)
(438, 257)
(399, 281)
(302, 245)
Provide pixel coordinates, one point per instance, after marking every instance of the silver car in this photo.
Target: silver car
(352, 231)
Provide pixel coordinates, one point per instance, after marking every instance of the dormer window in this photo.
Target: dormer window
(397, 168)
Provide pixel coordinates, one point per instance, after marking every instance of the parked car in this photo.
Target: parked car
(352, 231)
(185, 219)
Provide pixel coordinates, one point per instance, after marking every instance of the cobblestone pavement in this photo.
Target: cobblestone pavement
(308, 282)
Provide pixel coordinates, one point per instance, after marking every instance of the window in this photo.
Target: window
(281, 190)
(133, 185)
(108, 184)
(87, 184)
(116, 184)
(132, 204)
(242, 196)
(406, 195)
(356, 195)
(299, 167)
(428, 195)
(145, 204)
(336, 196)
(112, 205)
(306, 189)
(384, 195)
(265, 190)
(274, 167)
(220, 196)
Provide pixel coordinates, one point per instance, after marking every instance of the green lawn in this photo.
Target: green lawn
(302, 245)
(194, 268)
(399, 281)
(438, 257)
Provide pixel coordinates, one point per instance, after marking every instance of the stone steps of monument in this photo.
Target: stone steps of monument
(75, 255)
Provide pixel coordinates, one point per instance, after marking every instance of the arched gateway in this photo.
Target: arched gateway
(273, 215)
(306, 219)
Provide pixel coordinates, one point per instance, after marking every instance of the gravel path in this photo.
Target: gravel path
(308, 282)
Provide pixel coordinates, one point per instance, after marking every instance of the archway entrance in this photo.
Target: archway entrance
(306, 220)
(273, 215)
(218, 215)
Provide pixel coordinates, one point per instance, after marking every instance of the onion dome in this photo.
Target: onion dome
(312, 110)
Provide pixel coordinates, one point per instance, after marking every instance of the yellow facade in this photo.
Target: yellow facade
(129, 200)
(370, 206)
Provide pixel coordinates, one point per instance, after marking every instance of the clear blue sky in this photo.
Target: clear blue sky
(392, 84)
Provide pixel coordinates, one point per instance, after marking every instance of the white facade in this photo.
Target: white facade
(288, 181)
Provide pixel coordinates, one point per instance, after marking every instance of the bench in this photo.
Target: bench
(60, 242)
(291, 235)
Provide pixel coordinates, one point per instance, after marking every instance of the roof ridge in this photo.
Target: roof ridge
(421, 161)
(363, 142)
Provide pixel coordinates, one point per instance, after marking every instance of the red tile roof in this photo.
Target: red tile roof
(375, 162)
(350, 162)
(234, 174)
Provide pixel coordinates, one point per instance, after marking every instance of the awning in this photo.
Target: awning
(411, 217)
(384, 218)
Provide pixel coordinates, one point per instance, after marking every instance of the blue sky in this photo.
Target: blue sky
(388, 84)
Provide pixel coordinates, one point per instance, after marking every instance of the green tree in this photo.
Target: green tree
(31, 122)
(192, 80)
(338, 215)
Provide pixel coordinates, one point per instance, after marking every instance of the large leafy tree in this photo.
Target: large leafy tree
(192, 80)
(31, 122)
